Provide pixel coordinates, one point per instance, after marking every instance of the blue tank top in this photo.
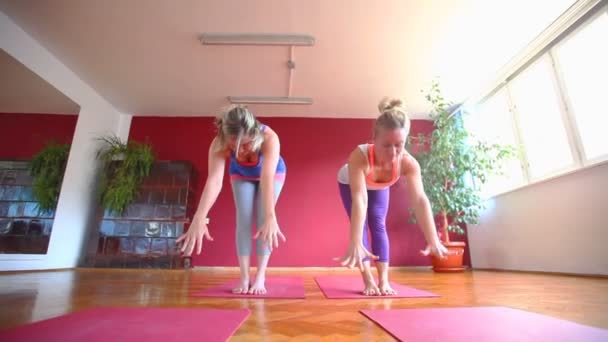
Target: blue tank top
(252, 171)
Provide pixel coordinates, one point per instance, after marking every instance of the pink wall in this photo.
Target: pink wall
(23, 135)
(310, 212)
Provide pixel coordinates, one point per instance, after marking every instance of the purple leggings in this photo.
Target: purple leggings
(377, 208)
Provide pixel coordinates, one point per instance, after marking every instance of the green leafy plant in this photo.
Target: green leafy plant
(47, 168)
(454, 165)
(125, 165)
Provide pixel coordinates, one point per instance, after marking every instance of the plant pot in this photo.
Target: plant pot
(453, 262)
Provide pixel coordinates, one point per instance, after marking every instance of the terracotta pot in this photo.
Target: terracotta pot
(453, 262)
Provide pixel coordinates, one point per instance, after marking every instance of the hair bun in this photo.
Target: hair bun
(389, 103)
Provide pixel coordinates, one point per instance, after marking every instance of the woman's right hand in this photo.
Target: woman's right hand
(194, 236)
(355, 255)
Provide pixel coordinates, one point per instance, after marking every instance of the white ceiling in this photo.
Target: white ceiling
(22, 91)
(144, 57)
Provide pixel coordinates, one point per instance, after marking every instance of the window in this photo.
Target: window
(540, 123)
(555, 109)
(492, 122)
(583, 65)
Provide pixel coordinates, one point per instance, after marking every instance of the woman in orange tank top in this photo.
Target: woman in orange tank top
(364, 184)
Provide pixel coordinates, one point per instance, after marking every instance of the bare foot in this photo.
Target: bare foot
(243, 288)
(371, 289)
(386, 289)
(258, 287)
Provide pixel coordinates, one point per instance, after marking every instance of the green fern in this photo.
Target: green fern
(125, 165)
(47, 168)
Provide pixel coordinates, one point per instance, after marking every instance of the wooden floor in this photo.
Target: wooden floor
(33, 296)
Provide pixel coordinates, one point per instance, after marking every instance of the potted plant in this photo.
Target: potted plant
(124, 166)
(47, 168)
(454, 165)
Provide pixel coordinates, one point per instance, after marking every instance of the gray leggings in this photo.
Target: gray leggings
(246, 194)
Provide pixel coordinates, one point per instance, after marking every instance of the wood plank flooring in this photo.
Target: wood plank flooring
(32, 296)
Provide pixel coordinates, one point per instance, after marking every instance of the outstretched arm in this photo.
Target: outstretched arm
(271, 149)
(357, 165)
(194, 236)
(421, 205)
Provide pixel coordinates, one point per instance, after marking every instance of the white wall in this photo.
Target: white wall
(560, 225)
(97, 117)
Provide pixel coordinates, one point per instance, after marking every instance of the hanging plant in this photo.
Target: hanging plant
(47, 169)
(125, 165)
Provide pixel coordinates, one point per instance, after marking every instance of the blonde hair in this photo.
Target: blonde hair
(238, 121)
(392, 115)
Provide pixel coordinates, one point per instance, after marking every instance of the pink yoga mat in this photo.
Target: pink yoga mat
(276, 287)
(349, 287)
(496, 324)
(132, 324)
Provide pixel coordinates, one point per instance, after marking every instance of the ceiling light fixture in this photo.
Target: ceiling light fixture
(270, 100)
(256, 39)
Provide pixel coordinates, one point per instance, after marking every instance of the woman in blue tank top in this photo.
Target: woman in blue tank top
(257, 173)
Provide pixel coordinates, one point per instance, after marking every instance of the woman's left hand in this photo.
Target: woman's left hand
(270, 233)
